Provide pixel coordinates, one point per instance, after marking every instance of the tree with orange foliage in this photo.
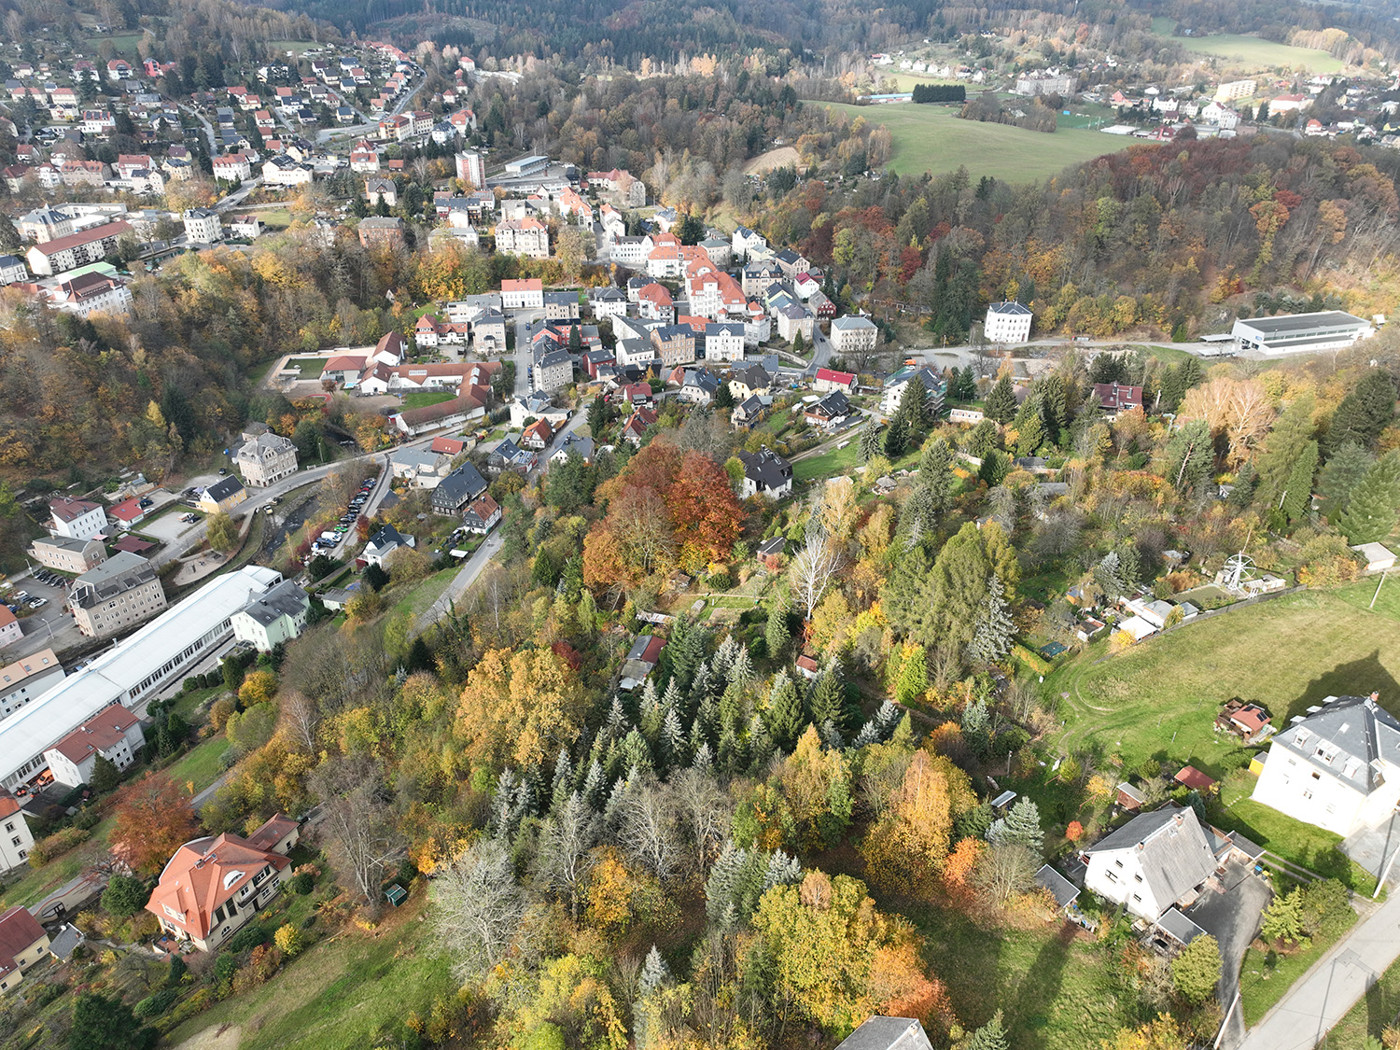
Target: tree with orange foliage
(907, 848)
(152, 820)
(960, 865)
(1075, 831)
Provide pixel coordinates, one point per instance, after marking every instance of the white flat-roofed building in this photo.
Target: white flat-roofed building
(526, 166)
(130, 670)
(25, 679)
(1300, 333)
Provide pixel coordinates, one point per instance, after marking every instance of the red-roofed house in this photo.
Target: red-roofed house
(524, 294)
(827, 380)
(654, 303)
(278, 835)
(448, 446)
(637, 424)
(129, 511)
(77, 519)
(636, 393)
(10, 630)
(1114, 397)
(114, 733)
(23, 942)
(1193, 778)
(211, 887)
(538, 434)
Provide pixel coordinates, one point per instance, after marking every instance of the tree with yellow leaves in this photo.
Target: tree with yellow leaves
(518, 707)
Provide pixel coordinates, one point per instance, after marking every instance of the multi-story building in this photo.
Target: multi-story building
(76, 519)
(674, 344)
(10, 630)
(77, 249)
(1007, 322)
(232, 167)
(471, 169)
(272, 618)
(853, 335)
(523, 294)
(265, 457)
(92, 293)
(119, 593)
(23, 941)
(114, 733)
(25, 679)
(202, 226)
(527, 236)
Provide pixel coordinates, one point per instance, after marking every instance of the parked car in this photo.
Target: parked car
(38, 603)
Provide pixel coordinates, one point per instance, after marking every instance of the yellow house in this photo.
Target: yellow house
(224, 495)
(23, 943)
(1256, 764)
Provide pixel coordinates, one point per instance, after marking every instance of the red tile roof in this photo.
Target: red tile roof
(103, 730)
(128, 510)
(202, 875)
(1194, 778)
(18, 931)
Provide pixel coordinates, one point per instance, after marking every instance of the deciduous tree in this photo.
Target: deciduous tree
(152, 819)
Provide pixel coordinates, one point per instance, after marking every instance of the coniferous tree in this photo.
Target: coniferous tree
(784, 715)
(776, 634)
(1363, 413)
(827, 702)
(936, 475)
(991, 1036)
(896, 438)
(1341, 475)
(1190, 456)
(870, 442)
(1296, 498)
(994, 631)
(1001, 402)
(1285, 443)
(1021, 827)
(1371, 512)
(913, 406)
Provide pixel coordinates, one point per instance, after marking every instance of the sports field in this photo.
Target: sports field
(1249, 53)
(933, 138)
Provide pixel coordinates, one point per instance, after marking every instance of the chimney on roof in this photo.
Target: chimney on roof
(1375, 698)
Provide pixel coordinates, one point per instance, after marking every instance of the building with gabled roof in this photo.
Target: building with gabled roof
(114, 733)
(887, 1033)
(1152, 862)
(765, 474)
(213, 886)
(23, 943)
(120, 592)
(272, 618)
(1007, 322)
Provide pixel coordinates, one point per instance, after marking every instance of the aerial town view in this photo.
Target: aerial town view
(799, 526)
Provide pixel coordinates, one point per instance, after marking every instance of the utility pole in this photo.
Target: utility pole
(1384, 573)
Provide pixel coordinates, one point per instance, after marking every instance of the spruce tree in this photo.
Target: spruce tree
(776, 634)
(991, 1036)
(936, 474)
(1022, 827)
(1296, 498)
(1285, 443)
(828, 702)
(913, 677)
(896, 438)
(1371, 512)
(1001, 402)
(994, 630)
(1346, 469)
(1363, 413)
(869, 441)
(784, 715)
(913, 405)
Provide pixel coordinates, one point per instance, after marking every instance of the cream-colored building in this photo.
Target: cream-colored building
(121, 592)
(23, 943)
(68, 555)
(265, 457)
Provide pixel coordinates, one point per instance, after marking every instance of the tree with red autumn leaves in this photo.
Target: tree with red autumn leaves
(666, 508)
(152, 820)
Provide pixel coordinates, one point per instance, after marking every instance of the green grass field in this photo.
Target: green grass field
(1251, 52)
(122, 43)
(310, 367)
(202, 766)
(424, 398)
(933, 138)
(828, 464)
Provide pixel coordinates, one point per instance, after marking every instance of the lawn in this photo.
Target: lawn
(1160, 697)
(122, 43)
(424, 398)
(186, 704)
(1380, 1007)
(830, 463)
(201, 766)
(340, 993)
(1056, 989)
(313, 366)
(1252, 52)
(933, 138)
(420, 597)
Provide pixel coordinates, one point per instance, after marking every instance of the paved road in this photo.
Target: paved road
(1333, 986)
(236, 197)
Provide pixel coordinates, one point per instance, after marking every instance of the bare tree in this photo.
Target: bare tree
(647, 829)
(1005, 871)
(562, 853)
(816, 563)
(479, 908)
(301, 718)
(364, 835)
(704, 812)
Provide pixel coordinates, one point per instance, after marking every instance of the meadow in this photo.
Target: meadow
(933, 138)
(1249, 53)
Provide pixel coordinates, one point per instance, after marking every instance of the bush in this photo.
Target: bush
(303, 883)
(57, 844)
(190, 685)
(125, 895)
(157, 1004)
(288, 940)
(720, 581)
(251, 936)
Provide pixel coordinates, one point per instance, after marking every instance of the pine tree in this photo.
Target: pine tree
(1339, 478)
(896, 438)
(913, 405)
(994, 630)
(1001, 402)
(913, 677)
(784, 715)
(671, 744)
(654, 972)
(936, 475)
(991, 1036)
(1297, 494)
(563, 784)
(1290, 434)
(1363, 413)
(1371, 512)
(827, 702)
(869, 441)
(1022, 827)
(776, 634)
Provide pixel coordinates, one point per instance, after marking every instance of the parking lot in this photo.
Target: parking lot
(47, 627)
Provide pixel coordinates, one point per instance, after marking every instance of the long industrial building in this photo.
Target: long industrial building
(1300, 333)
(128, 672)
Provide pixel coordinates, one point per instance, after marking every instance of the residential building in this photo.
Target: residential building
(422, 470)
(211, 887)
(887, 1033)
(481, 515)
(853, 335)
(383, 544)
(1007, 322)
(68, 555)
(675, 344)
(829, 411)
(654, 303)
(121, 592)
(793, 320)
(91, 293)
(415, 421)
(378, 188)
(1297, 333)
(524, 294)
(23, 941)
(77, 249)
(1045, 82)
(272, 618)
(10, 629)
(537, 436)
(114, 733)
(608, 302)
(576, 444)
(746, 382)
(1115, 397)
(133, 669)
(26, 679)
(76, 519)
(561, 306)
(471, 169)
(202, 226)
(223, 496)
(378, 232)
(895, 385)
(12, 270)
(698, 386)
(458, 489)
(749, 411)
(724, 341)
(827, 380)
(232, 167)
(1151, 862)
(766, 474)
(641, 419)
(44, 224)
(1338, 768)
(1234, 90)
(265, 457)
(553, 370)
(285, 172)
(528, 237)
(510, 456)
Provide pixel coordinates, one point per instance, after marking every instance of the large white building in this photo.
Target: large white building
(1338, 767)
(76, 519)
(1151, 862)
(1008, 322)
(16, 840)
(265, 457)
(1300, 333)
(129, 671)
(202, 226)
(273, 618)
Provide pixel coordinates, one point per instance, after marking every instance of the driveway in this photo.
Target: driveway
(1233, 918)
(1372, 847)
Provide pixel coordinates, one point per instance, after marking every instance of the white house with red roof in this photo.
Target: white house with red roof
(114, 733)
(76, 519)
(129, 511)
(828, 380)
